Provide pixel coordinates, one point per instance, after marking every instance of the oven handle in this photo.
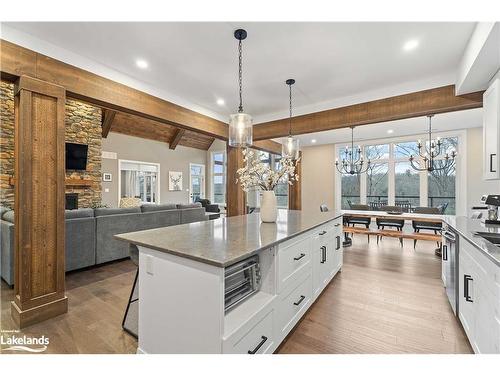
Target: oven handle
(449, 236)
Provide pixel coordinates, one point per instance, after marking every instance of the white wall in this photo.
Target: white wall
(476, 186)
(139, 149)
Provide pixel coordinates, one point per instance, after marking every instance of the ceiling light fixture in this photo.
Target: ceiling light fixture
(240, 124)
(290, 147)
(352, 162)
(221, 102)
(313, 141)
(428, 154)
(410, 45)
(143, 64)
(390, 131)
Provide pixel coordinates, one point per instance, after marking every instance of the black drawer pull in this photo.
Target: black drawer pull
(467, 297)
(323, 254)
(445, 252)
(264, 339)
(302, 255)
(322, 232)
(491, 163)
(337, 225)
(300, 300)
(338, 243)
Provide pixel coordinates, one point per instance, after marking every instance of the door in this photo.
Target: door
(467, 303)
(196, 181)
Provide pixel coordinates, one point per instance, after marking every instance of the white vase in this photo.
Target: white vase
(268, 207)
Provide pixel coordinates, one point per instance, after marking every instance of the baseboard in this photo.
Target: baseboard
(24, 318)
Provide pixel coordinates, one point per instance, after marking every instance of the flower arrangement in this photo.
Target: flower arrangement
(258, 174)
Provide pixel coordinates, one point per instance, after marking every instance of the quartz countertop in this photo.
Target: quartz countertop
(225, 241)
(467, 228)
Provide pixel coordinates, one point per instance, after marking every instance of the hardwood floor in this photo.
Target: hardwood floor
(387, 299)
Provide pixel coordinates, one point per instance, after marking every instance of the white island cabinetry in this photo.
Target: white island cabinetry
(181, 299)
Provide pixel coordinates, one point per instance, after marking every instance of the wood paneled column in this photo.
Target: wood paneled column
(39, 201)
(295, 190)
(236, 202)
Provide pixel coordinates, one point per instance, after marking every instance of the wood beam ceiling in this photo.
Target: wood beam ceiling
(177, 138)
(83, 85)
(108, 116)
(433, 101)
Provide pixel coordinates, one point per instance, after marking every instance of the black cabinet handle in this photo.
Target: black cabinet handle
(336, 225)
(491, 163)
(445, 252)
(322, 232)
(323, 254)
(467, 297)
(299, 301)
(264, 339)
(338, 243)
(302, 255)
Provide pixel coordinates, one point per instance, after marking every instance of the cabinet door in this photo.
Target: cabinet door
(318, 255)
(466, 304)
(491, 131)
(487, 327)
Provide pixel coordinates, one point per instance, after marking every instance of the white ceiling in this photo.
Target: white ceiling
(197, 62)
(418, 125)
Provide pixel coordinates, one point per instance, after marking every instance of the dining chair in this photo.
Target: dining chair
(365, 221)
(391, 223)
(423, 225)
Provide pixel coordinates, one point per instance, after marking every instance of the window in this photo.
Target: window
(391, 179)
(350, 190)
(219, 177)
(407, 184)
(139, 180)
(196, 181)
(281, 189)
(442, 182)
(377, 184)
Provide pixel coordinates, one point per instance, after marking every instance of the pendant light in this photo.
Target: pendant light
(428, 154)
(240, 124)
(290, 146)
(352, 161)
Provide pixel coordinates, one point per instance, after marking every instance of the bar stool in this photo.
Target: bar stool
(130, 323)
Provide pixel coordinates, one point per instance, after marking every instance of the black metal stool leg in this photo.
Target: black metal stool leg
(130, 301)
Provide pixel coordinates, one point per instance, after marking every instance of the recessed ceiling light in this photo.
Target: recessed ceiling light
(390, 131)
(313, 141)
(221, 101)
(143, 64)
(410, 45)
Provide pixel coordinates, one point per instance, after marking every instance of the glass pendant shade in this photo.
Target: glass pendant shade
(290, 148)
(240, 130)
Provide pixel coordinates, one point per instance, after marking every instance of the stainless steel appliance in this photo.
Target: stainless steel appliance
(241, 280)
(449, 258)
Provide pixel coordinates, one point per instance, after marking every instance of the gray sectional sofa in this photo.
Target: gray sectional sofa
(89, 232)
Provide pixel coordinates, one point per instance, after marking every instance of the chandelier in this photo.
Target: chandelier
(290, 147)
(428, 154)
(352, 161)
(240, 124)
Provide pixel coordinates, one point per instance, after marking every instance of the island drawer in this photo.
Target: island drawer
(292, 304)
(294, 260)
(256, 340)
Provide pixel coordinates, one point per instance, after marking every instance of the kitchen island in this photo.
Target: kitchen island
(183, 296)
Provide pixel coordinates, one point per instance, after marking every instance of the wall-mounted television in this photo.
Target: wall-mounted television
(76, 156)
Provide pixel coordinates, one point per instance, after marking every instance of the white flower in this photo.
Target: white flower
(257, 174)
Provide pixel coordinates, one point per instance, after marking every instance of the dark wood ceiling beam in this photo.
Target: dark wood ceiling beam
(268, 146)
(176, 138)
(108, 116)
(421, 103)
(89, 87)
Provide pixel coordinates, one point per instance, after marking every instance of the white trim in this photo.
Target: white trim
(120, 161)
(203, 180)
(461, 170)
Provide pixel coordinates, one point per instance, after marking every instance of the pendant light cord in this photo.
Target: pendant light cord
(290, 121)
(240, 74)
